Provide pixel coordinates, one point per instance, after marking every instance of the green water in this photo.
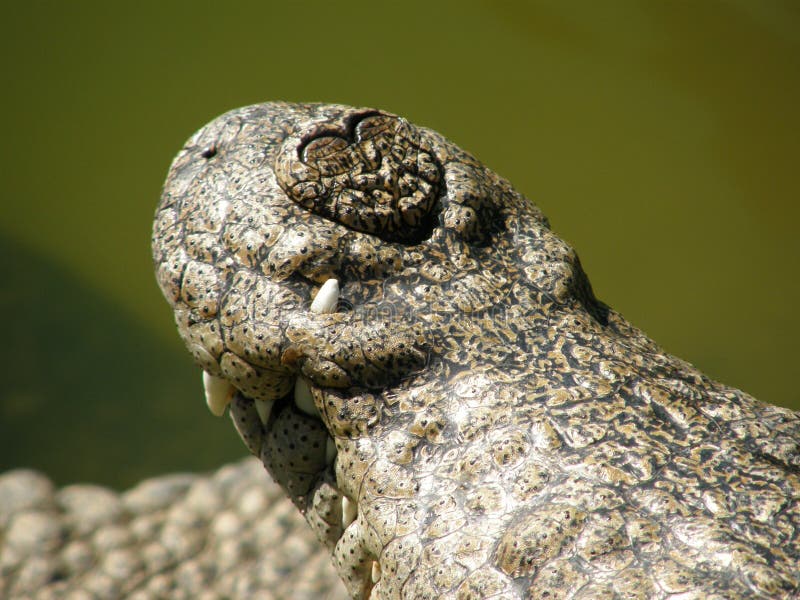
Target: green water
(662, 140)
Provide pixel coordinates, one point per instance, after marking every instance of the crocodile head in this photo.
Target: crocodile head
(422, 365)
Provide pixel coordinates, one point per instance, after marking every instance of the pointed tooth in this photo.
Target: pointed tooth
(349, 511)
(330, 451)
(219, 393)
(324, 302)
(303, 398)
(326, 298)
(264, 408)
(376, 572)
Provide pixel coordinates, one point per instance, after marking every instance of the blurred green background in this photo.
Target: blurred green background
(662, 140)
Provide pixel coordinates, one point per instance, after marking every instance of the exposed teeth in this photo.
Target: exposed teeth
(219, 393)
(326, 298)
(324, 302)
(349, 511)
(263, 408)
(330, 451)
(376, 572)
(303, 398)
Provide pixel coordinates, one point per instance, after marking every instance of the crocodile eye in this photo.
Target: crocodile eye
(368, 172)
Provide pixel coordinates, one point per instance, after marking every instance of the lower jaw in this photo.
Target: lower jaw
(292, 442)
(299, 453)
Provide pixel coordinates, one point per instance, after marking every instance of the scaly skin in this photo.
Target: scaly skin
(229, 534)
(501, 432)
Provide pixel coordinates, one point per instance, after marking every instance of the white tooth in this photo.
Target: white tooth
(219, 393)
(324, 302)
(303, 398)
(330, 451)
(263, 408)
(349, 511)
(376, 572)
(326, 298)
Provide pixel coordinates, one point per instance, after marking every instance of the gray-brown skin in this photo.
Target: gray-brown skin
(230, 534)
(503, 433)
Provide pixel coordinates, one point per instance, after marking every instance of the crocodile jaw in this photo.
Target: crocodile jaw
(219, 392)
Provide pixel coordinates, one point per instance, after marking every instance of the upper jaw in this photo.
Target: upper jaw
(219, 392)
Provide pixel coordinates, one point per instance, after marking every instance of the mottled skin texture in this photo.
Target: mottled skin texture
(503, 433)
(229, 534)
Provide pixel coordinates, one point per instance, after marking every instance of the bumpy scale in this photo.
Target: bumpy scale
(482, 426)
